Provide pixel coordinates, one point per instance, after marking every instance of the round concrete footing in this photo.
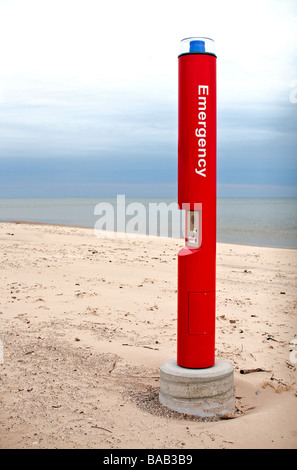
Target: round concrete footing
(200, 392)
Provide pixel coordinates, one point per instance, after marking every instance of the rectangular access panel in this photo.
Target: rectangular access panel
(200, 321)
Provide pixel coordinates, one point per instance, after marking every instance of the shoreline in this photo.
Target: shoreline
(133, 236)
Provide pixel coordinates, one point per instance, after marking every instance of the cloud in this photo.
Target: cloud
(102, 89)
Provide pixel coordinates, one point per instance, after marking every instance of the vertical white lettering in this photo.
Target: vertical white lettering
(200, 132)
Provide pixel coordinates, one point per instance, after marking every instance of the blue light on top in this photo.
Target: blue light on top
(197, 46)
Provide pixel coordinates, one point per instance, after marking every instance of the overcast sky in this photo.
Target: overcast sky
(88, 95)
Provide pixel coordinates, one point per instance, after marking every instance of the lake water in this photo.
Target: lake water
(251, 221)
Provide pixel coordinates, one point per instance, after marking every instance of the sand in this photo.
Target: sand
(86, 323)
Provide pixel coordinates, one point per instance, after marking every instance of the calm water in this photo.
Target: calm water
(252, 221)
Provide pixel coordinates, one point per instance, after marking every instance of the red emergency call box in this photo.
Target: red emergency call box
(197, 196)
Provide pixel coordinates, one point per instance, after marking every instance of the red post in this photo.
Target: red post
(197, 195)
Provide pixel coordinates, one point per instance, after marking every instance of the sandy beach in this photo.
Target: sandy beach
(86, 323)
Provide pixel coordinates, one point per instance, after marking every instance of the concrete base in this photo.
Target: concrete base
(200, 392)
